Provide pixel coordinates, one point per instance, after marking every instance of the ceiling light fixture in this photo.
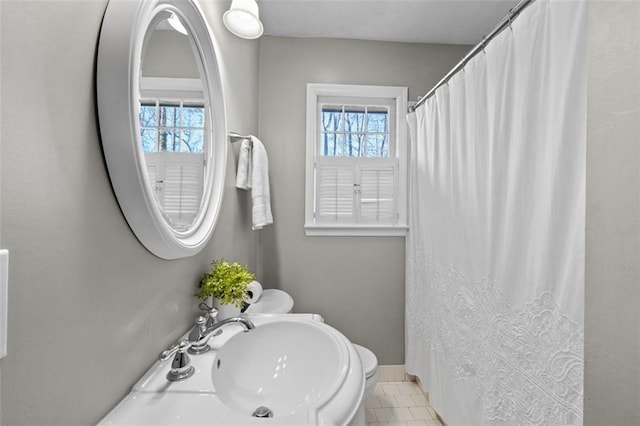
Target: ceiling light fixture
(243, 19)
(176, 24)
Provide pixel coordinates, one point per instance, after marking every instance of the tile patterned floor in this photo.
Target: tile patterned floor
(399, 404)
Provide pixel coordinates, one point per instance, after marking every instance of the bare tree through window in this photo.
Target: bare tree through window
(172, 126)
(355, 131)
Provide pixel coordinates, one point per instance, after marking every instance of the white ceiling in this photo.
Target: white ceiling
(422, 21)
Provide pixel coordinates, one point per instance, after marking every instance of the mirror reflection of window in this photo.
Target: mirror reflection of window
(173, 124)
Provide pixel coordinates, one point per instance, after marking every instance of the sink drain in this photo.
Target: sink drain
(262, 412)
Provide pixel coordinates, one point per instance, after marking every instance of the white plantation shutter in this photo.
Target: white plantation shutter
(182, 189)
(356, 191)
(152, 169)
(335, 200)
(178, 180)
(379, 193)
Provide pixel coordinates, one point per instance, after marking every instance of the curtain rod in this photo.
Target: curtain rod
(506, 21)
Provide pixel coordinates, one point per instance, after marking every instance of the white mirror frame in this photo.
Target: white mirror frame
(117, 82)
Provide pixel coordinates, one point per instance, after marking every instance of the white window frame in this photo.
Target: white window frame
(400, 96)
(175, 88)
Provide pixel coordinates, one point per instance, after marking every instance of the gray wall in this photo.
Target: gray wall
(356, 283)
(169, 54)
(89, 307)
(1, 192)
(612, 315)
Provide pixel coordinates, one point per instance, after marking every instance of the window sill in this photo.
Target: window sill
(355, 231)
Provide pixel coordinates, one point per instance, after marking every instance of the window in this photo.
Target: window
(356, 160)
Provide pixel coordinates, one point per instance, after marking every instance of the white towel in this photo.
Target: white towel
(243, 176)
(253, 173)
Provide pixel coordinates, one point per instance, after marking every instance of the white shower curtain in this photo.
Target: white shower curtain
(495, 253)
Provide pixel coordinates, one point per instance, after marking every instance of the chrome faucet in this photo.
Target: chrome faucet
(211, 331)
(207, 327)
(180, 366)
(208, 318)
(199, 344)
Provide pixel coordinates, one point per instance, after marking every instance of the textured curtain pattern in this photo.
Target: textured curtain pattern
(495, 254)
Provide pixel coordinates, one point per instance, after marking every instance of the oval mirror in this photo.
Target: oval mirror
(162, 121)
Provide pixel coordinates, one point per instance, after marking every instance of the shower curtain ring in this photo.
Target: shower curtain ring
(510, 18)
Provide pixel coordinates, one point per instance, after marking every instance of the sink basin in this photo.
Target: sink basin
(303, 370)
(292, 368)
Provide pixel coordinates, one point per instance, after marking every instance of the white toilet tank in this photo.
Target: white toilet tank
(272, 301)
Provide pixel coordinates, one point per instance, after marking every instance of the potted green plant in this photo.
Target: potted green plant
(227, 284)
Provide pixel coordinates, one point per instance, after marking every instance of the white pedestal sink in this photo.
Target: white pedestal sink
(289, 367)
(303, 371)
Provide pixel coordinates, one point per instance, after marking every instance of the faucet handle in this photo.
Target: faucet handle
(165, 355)
(204, 307)
(173, 349)
(209, 313)
(212, 317)
(180, 366)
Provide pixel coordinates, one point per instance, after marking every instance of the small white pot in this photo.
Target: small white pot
(225, 311)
